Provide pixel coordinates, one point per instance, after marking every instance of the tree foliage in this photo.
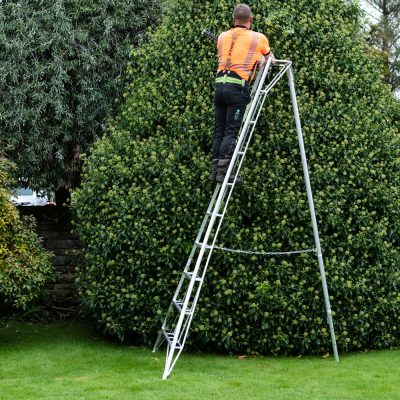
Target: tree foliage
(61, 68)
(145, 190)
(385, 36)
(25, 266)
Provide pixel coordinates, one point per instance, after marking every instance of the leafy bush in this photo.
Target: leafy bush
(25, 266)
(145, 190)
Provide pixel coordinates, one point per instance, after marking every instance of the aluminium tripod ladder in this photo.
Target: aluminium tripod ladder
(175, 327)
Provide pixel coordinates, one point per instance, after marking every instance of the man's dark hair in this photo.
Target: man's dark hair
(242, 12)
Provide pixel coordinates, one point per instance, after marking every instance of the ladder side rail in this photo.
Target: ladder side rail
(235, 154)
(248, 140)
(230, 191)
(203, 225)
(245, 127)
(262, 101)
(244, 138)
(170, 356)
(214, 209)
(259, 104)
(210, 227)
(194, 274)
(263, 93)
(160, 338)
(189, 290)
(242, 131)
(182, 315)
(253, 91)
(312, 212)
(190, 318)
(210, 209)
(212, 202)
(184, 329)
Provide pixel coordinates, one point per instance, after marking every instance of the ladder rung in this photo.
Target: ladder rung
(240, 153)
(199, 244)
(218, 215)
(170, 336)
(179, 304)
(190, 274)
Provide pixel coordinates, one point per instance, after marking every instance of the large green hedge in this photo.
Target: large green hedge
(146, 188)
(25, 266)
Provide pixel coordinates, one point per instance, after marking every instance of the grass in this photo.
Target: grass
(71, 361)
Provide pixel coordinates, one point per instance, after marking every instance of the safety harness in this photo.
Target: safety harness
(228, 61)
(227, 67)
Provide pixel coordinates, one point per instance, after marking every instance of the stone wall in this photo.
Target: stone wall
(54, 228)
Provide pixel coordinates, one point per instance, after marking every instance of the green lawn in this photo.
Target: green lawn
(71, 361)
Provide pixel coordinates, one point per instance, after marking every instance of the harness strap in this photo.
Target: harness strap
(227, 66)
(226, 79)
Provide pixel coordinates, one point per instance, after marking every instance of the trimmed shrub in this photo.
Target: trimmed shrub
(145, 190)
(25, 266)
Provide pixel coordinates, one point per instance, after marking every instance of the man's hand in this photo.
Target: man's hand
(265, 58)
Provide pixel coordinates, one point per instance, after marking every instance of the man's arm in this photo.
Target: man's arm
(266, 50)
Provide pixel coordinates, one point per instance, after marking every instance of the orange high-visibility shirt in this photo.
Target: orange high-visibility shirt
(248, 48)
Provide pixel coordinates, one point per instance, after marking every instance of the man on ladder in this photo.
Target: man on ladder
(239, 51)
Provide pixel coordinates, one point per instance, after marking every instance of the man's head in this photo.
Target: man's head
(242, 15)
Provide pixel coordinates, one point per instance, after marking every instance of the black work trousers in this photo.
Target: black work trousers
(230, 100)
